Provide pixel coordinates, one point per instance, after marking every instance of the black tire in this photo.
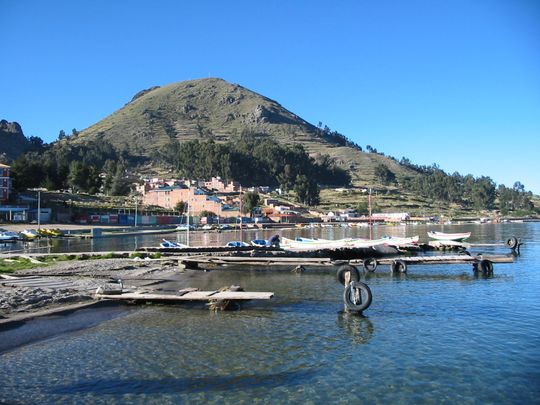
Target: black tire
(370, 264)
(350, 296)
(398, 266)
(512, 242)
(355, 274)
(485, 266)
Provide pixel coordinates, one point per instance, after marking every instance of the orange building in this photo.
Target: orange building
(198, 200)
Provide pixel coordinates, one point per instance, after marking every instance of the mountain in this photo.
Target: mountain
(216, 109)
(12, 141)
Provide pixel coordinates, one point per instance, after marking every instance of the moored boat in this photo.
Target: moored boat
(449, 236)
(236, 243)
(8, 236)
(29, 234)
(260, 242)
(170, 244)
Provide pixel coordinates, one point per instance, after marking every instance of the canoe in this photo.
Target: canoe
(449, 236)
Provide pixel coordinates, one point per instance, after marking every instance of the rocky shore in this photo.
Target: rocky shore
(82, 279)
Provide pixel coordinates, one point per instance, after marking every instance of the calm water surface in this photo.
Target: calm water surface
(436, 335)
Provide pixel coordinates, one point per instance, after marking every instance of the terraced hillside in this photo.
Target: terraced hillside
(215, 109)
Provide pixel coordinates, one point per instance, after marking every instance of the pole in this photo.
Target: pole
(241, 238)
(38, 209)
(187, 219)
(136, 211)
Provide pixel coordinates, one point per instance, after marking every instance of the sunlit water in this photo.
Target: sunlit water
(437, 335)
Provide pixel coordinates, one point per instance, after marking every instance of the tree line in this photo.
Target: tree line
(466, 190)
(88, 167)
(253, 159)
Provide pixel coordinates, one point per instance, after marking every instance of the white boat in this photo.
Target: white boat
(401, 242)
(305, 244)
(449, 236)
(29, 234)
(170, 244)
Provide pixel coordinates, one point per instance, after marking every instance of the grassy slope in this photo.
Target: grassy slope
(200, 109)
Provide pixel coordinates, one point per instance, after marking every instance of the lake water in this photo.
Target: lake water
(436, 335)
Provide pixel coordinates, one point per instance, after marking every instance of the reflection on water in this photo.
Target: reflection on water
(437, 334)
(359, 327)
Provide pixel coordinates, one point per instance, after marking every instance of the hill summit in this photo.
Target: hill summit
(216, 109)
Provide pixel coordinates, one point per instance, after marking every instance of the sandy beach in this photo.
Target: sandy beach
(80, 280)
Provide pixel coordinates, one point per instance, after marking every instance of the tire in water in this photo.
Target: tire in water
(370, 264)
(512, 242)
(357, 296)
(398, 266)
(485, 266)
(355, 274)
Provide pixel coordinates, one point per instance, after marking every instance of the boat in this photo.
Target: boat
(8, 236)
(184, 227)
(449, 236)
(170, 244)
(29, 234)
(402, 242)
(305, 244)
(50, 233)
(236, 243)
(260, 242)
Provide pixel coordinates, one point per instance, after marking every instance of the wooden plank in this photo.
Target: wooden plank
(277, 259)
(191, 296)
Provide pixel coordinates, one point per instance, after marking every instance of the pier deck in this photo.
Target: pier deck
(189, 296)
(289, 263)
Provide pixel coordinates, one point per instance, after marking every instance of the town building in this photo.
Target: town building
(5, 183)
(219, 186)
(198, 200)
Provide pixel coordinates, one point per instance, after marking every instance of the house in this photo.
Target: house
(218, 185)
(5, 183)
(391, 216)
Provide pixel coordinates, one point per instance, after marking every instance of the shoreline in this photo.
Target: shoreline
(27, 300)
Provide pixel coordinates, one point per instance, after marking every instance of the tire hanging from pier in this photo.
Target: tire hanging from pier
(357, 296)
(355, 274)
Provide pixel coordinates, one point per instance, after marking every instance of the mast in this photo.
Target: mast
(187, 219)
(370, 218)
(241, 238)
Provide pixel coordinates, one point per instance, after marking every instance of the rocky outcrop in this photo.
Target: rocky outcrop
(12, 141)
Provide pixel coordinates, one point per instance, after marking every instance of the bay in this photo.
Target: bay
(439, 334)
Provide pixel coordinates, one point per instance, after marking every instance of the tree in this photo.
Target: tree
(249, 202)
(119, 184)
(180, 206)
(384, 174)
(62, 135)
(307, 190)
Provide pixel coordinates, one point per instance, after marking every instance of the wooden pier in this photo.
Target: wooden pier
(187, 295)
(307, 263)
(215, 300)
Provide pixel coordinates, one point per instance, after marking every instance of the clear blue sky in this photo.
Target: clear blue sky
(450, 82)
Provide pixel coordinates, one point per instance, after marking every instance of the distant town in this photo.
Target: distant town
(160, 201)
